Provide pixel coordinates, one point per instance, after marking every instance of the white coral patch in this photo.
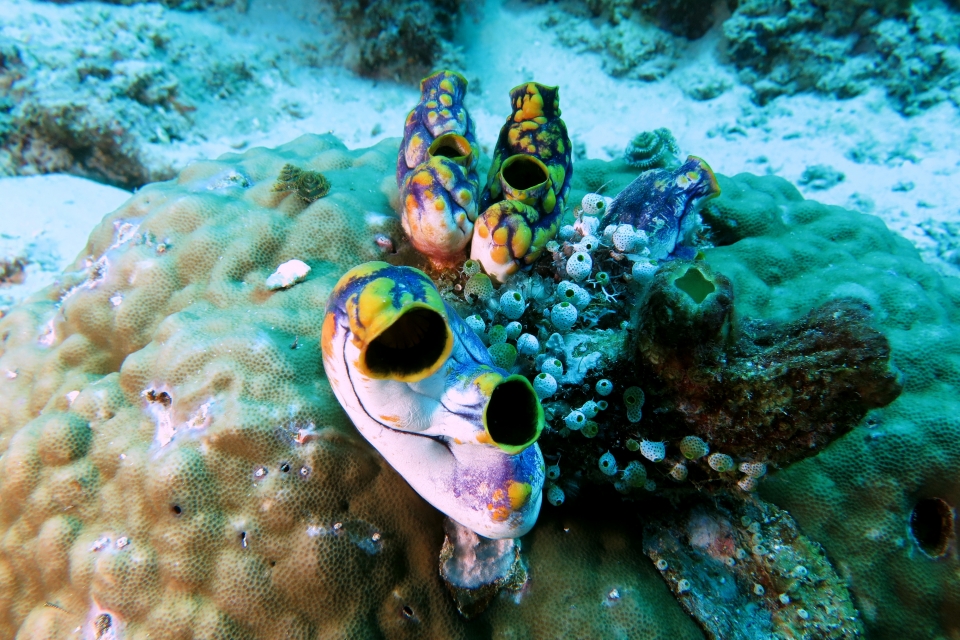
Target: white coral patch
(288, 274)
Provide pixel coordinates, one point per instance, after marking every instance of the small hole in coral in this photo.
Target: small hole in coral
(931, 525)
(243, 539)
(285, 467)
(408, 613)
(176, 509)
(273, 563)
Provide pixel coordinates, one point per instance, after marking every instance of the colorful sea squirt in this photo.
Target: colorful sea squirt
(528, 183)
(421, 387)
(661, 203)
(437, 170)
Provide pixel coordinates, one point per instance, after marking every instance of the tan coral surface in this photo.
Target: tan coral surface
(174, 465)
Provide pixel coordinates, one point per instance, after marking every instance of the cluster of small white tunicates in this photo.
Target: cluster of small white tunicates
(752, 471)
(679, 472)
(555, 495)
(608, 464)
(694, 448)
(505, 338)
(653, 450)
(544, 385)
(503, 353)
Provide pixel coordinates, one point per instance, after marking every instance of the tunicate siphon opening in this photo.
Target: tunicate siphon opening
(695, 285)
(450, 145)
(931, 525)
(523, 172)
(513, 417)
(411, 345)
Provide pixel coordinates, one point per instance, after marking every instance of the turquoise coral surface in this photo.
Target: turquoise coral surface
(740, 405)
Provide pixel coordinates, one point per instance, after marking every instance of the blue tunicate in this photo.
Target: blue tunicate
(608, 464)
(555, 495)
(635, 474)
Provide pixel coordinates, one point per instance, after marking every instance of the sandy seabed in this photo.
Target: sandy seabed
(909, 179)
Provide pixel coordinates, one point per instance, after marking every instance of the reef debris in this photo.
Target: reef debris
(744, 571)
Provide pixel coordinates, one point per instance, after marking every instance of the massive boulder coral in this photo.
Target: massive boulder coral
(881, 500)
(172, 455)
(808, 308)
(173, 462)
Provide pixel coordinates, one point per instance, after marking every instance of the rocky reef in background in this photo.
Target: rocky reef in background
(404, 39)
(779, 48)
(102, 92)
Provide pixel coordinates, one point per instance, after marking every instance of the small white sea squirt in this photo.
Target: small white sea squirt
(420, 386)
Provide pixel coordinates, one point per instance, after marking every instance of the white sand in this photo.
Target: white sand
(47, 219)
(503, 45)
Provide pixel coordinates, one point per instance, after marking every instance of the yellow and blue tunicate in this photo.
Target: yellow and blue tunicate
(528, 183)
(437, 170)
(421, 387)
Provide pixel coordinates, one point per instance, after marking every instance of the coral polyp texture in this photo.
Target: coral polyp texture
(421, 387)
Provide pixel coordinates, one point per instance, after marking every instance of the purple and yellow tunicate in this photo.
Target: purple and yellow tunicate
(529, 180)
(437, 170)
(660, 202)
(421, 387)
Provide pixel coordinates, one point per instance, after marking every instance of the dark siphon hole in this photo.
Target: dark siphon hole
(695, 285)
(523, 173)
(931, 524)
(447, 151)
(450, 145)
(408, 613)
(410, 345)
(285, 467)
(176, 509)
(512, 413)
